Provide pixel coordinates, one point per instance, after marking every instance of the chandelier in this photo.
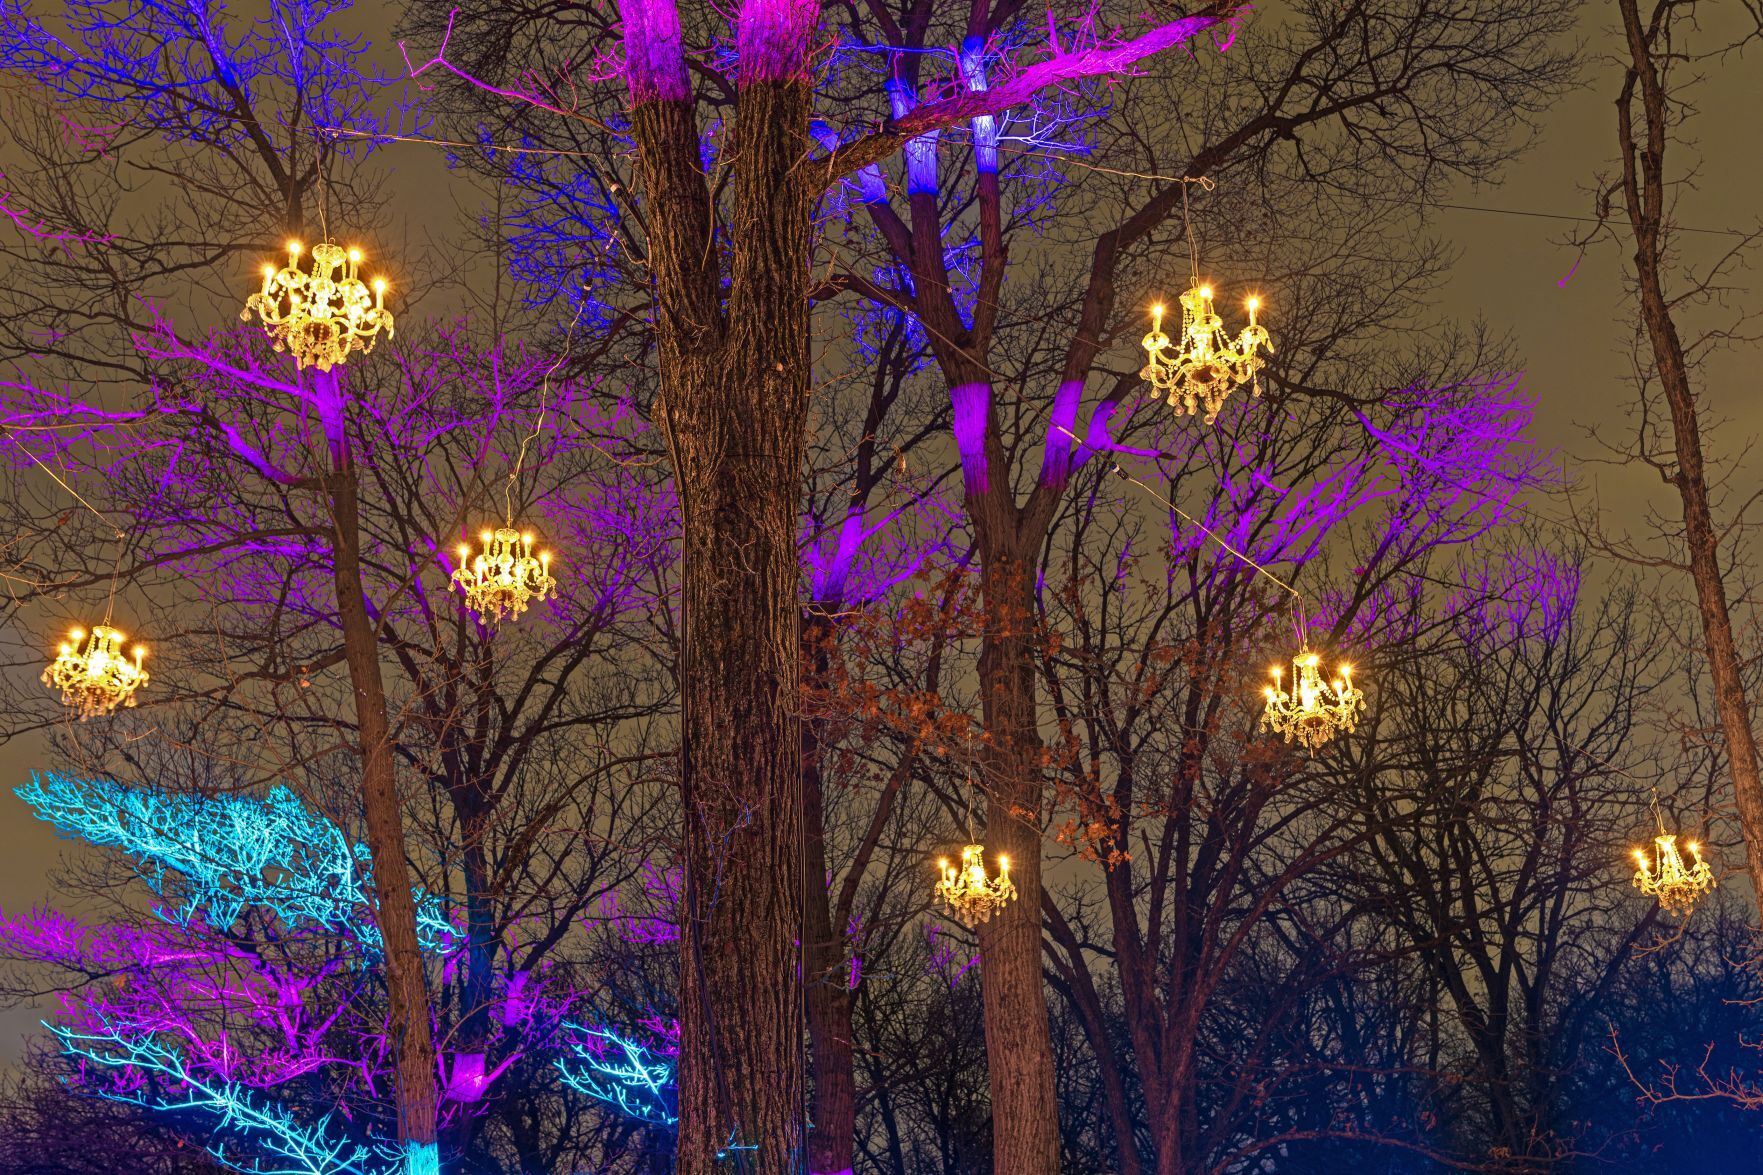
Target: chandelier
(1209, 367)
(1665, 877)
(98, 678)
(1315, 710)
(322, 317)
(966, 890)
(505, 576)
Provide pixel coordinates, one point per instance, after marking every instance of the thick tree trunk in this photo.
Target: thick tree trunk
(1643, 189)
(740, 993)
(406, 989)
(833, 1109)
(734, 401)
(1019, 1049)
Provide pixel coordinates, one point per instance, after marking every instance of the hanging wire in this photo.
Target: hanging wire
(121, 538)
(1299, 624)
(968, 790)
(1187, 222)
(320, 169)
(1061, 157)
(544, 404)
(1297, 597)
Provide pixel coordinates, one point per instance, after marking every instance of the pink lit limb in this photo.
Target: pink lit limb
(654, 54)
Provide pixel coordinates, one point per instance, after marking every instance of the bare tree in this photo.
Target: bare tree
(1650, 111)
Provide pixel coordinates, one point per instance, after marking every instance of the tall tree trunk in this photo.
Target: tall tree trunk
(1644, 199)
(406, 989)
(734, 387)
(1019, 1048)
(470, 1037)
(832, 1110)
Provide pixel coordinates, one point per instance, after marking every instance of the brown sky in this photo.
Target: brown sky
(1510, 271)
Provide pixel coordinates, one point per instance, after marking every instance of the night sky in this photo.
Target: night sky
(1514, 271)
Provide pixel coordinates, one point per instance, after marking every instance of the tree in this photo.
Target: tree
(732, 272)
(1649, 109)
(254, 1009)
(1385, 90)
(220, 475)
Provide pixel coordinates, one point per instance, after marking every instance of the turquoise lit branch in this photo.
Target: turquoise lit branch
(213, 859)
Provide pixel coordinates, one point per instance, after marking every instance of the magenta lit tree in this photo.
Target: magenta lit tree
(732, 271)
(1030, 349)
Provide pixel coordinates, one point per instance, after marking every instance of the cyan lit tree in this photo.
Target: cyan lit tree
(251, 1011)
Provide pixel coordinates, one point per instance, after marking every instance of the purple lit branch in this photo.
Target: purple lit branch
(1526, 595)
(35, 226)
(858, 561)
(1088, 51)
(1461, 456)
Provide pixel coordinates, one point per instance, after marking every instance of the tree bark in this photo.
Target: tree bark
(831, 1145)
(1019, 1048)
(407, 998)
(1644, 199)
(734, 387)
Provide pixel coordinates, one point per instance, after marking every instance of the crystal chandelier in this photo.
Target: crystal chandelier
(322, 317)
(966, 890)
(505, 576)
(1209, 367)
(1665, 877)
(1315, 710)
(98, 678)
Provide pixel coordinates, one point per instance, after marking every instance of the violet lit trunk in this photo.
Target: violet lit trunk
(407, 998)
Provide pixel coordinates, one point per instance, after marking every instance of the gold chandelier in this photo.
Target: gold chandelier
(969, 894)
(505, 576)
(98, 678)
(323, 317)
(1666, 878)
(1315, 710)
(1208, 367)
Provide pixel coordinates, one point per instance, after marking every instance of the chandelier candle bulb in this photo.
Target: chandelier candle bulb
(1665, 876)
(1209, 366)
(1314, 711)
(971, 896)
(99, 677)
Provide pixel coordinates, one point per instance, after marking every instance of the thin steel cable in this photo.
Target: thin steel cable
(121, 538)
(1067, 159)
